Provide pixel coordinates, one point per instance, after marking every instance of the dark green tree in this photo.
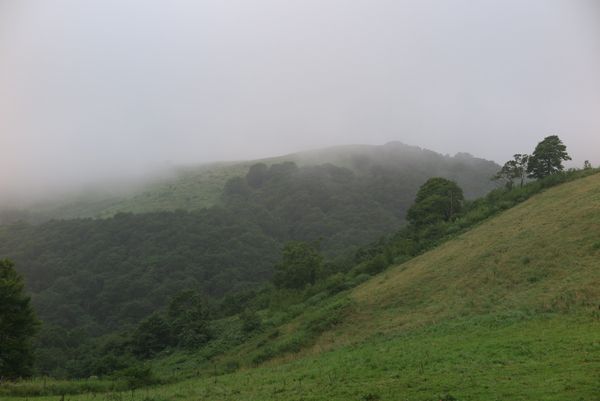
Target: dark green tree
(299, 265)
(152, 335)
(189, 317)
(250, 321)
(587, 165)
(137, 376)
(257, 175)
(18, 324)
(438, 200)
(547, 157)
(236, 187)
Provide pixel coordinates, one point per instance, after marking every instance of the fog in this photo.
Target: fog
(99, 89)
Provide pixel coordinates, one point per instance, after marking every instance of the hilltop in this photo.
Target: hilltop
(196, 187)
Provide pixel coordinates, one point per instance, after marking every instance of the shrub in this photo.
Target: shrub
(337, 283)
(361, 278)
(137, 376)
(250, 321)
(232, 366)
(263, 356)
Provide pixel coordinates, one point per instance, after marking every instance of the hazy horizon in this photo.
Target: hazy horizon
(93, 91)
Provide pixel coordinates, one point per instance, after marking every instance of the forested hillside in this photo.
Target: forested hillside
(108, 272)
(193, 188)
(510, 301)
(91, 277)
(102, 273)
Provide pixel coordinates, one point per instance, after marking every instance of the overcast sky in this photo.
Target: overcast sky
(96, 88)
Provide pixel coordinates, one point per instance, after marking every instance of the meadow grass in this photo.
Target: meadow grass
(518, 357)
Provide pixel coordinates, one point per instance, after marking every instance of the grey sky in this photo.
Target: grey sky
(89, 89)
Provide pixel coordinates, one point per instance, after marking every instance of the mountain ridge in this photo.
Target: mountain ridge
(194, 187)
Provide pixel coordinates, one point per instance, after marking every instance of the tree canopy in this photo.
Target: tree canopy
(547, 157)
(438, 199)
(18, 324)
(515, 169)
(299, 265)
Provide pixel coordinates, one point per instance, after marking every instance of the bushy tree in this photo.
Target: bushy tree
(250, 321)
(299, 266)
(151, 336)
(547, 157)
(437, 200)
(515, 169)
(587, 165)
(18, 324)
(257, 175)
(189, 318)
(137, 376)
(235, 188)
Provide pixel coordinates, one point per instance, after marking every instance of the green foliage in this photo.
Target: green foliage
(189, 319)
(318, 202)
(512, 170)
(95, 277)
(137, 376)
(18, 324)
(438, 200)
(547, 157)
(257, 175)
(316, 320)
(152, 335)
(299, 266)
(44, 386)
(251, 321)
(531, 358)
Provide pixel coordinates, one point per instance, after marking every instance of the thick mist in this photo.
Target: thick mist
(112, 89)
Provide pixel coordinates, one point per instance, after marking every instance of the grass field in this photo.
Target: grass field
(507, 311)
(512, 357)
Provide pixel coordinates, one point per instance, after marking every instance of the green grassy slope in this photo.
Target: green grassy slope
(506, 311)
(541, 256)
(189, 188)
